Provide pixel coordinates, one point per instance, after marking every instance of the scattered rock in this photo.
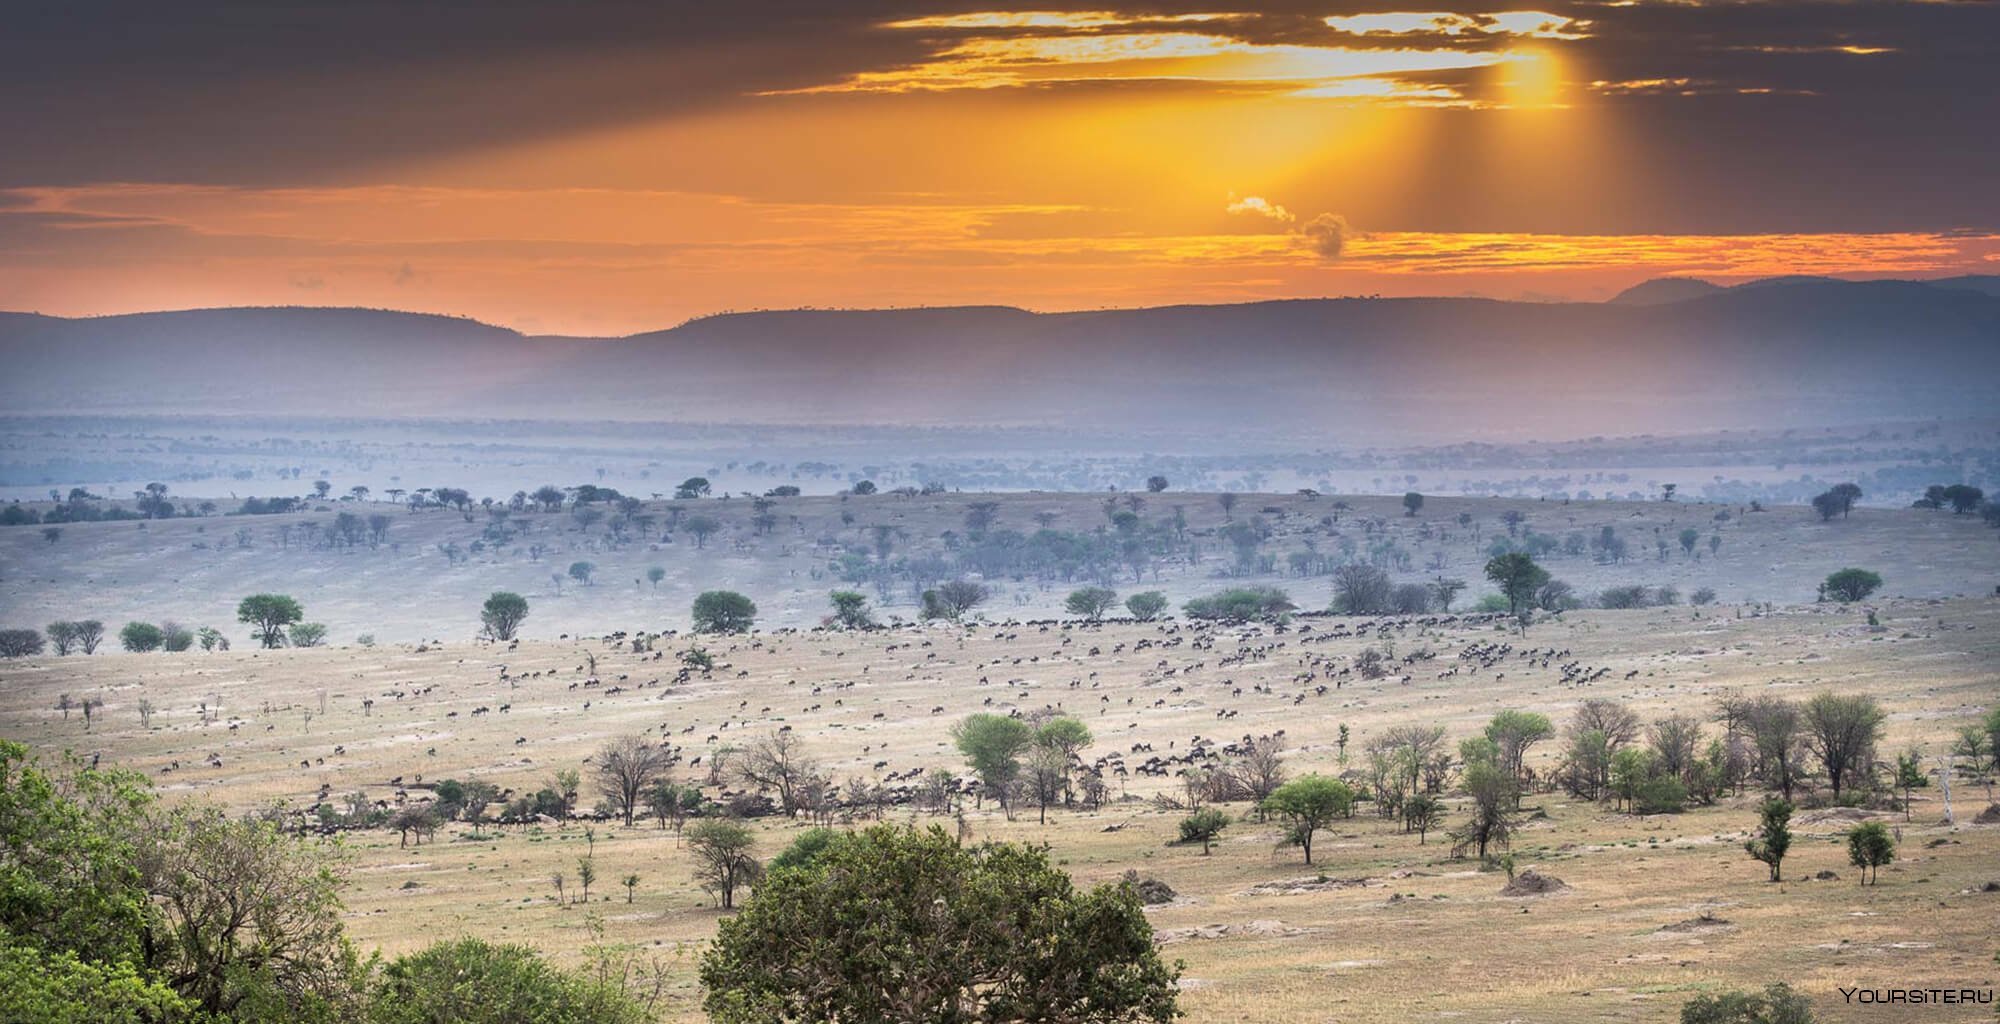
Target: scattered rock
(1262, 928)
(1533, 883)
(1826, 876)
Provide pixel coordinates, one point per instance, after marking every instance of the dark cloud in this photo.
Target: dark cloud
(1786, 132)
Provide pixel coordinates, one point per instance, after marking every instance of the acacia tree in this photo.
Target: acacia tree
(973, 934)
(625, 767)
(1518, 578)
(89, 633)
(1146, 606)
(1090, 602)
(268, 615)
(702, 527)
(952, 599)
(1203, 827)
(724, 858)
(503, 614)
(1850, 585)
(723, 611)
(1307, 804)
(992, 745)
(850, 609)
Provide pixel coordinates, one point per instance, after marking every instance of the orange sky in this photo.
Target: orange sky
(1047, 159)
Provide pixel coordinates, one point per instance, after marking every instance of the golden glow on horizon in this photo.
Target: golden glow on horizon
(570, 260)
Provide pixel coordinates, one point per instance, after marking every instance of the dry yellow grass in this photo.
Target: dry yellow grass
(1423, 938)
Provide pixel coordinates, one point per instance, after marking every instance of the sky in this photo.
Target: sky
(606, 168)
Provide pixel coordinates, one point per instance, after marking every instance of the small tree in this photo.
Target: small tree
(1156, 483)
(503, 614)
(850, 609)
(1869, 846)
(723, 611)
(1842, 732)
(1491, 820)
(1910, 775)
(1518, 578)
(175, 637)
(992, 745)
(1849, 585)
(1147, 606)
(1202, 827)
(724, 858)
(654, 575)
(1421, 813)
(952, 599)
(631, 883)
(1308, 804)
(62, 636)
(307, 634)
(1412, 503)
(1774, 836)
(702, 527)
(141, 637)
(1090, 602)
(582, 571)
(692, 487)
(268, 615)
(626, 767)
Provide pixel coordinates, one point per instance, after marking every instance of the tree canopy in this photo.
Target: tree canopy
(898, 924)
(723, 611)
(268, 615)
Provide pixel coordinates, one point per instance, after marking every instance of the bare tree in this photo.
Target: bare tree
(1262, 769)
(777, 761)
(625, 767)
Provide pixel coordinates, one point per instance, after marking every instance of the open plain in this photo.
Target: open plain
(1382, 927)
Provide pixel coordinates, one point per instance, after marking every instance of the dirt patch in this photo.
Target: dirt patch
(1839, 817)
(1702, 923)
(1264, 928)
(1534, 883)
(1317, 883)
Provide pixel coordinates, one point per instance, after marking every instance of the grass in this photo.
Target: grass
(1450, 948)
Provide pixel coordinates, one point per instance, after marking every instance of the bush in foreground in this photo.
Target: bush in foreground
(901, 924)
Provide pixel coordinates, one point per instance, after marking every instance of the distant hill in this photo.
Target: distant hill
(1664, 289)
(1789, 352)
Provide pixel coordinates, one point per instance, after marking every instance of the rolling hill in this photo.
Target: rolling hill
(1359, 368)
